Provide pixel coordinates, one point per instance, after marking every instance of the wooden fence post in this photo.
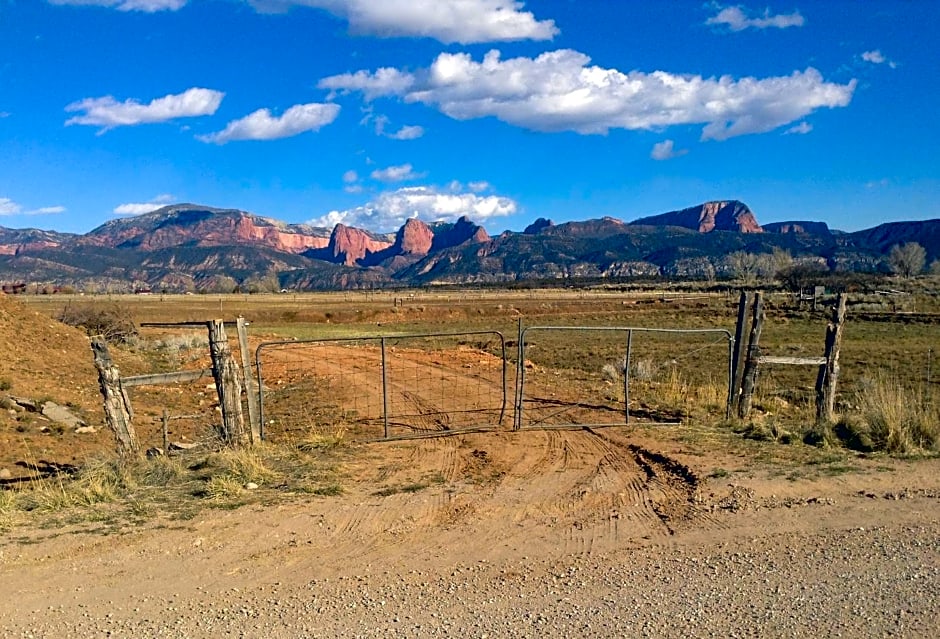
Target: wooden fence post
(227, 385)
(251, 387)
(829, 372)
(737, 363)
(752, 363)
(117, 407)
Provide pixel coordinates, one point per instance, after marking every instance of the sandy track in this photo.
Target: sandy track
(583, 533)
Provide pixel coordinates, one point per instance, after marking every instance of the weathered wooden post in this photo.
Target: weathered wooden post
(251, 387)
(225, 373)
(752, 363)
(737, 363)
(117, 407)
(829, 372)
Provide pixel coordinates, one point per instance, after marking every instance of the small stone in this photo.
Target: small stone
(251, 486)
(85, 430)
(5, 473)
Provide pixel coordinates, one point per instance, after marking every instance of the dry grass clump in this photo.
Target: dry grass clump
(177, 486)
(891, 417)
(323, 439)
(243, 465)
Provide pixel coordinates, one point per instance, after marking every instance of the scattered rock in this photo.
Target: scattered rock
(61, 415)
(85, 430)
(182, 445)
(154, 452)
(26, 404)
(251, 486)
(5, 473)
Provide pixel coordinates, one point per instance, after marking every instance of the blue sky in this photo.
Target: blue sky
(368, 112)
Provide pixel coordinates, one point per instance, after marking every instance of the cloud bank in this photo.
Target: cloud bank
(449, 21)
(560, 91)
(108, 113)
(261, 125)
(389, 210)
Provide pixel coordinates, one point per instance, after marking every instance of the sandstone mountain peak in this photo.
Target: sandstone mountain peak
(726, 215)
(414, 238)
(349, 245)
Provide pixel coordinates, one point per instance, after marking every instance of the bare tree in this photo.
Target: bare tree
(744, 266)
(907, 259)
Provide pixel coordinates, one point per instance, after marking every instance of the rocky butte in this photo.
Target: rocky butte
(710, 216)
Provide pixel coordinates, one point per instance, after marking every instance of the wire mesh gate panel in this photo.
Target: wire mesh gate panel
(378, 387)
(580, 376)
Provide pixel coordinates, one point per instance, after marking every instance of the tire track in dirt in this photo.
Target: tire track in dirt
(671, 488)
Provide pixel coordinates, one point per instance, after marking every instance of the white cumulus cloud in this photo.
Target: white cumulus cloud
(389, 210)
(407, 132)
(666, 150)
(147, 6)
(736, 19)
(139, 208)
(261, 125)
(560, 91)
(372, 84)
(10, 207)
(449, 21)
(877, 57)
(398, 173)
(108, 113)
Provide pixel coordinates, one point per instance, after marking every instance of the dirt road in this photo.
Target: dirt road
(546, 533)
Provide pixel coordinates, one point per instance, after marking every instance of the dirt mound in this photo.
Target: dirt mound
(45, 360)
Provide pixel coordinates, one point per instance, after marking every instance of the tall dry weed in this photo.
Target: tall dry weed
(893, 418)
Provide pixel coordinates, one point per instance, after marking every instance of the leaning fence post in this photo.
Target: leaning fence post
(251, 388)
(752, 364)
(227, 385)
(829, 372)
(737, 368)
(117, 407)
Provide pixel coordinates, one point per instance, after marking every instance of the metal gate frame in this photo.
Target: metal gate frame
(381, 340)
(629, 330)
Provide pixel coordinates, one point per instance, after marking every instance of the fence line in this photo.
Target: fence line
(628, 342)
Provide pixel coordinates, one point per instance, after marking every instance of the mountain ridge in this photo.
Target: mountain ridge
(190, 247)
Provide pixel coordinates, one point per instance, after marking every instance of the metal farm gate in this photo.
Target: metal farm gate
(382, 387)
(424, 384)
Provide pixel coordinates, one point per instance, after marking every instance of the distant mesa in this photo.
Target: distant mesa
(799, 228)
(710, 216)
(202, 226)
